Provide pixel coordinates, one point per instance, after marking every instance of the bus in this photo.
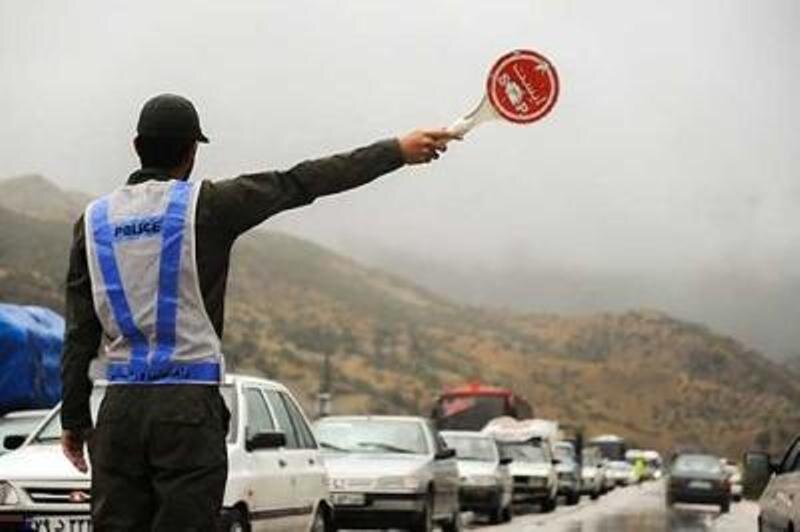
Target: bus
(611, 447)
(472, 406)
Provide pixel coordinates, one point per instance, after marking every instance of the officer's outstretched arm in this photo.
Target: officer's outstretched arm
(248, 200)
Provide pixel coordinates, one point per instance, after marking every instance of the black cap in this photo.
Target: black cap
(170, 116)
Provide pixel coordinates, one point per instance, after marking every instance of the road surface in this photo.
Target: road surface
(633, 509)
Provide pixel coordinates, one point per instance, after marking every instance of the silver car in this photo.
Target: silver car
(486, 484)
(389, 472)
(778, 485)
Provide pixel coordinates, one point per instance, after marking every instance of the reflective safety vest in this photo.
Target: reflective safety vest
(141, 250)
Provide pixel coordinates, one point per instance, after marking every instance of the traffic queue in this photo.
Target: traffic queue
(364, 471)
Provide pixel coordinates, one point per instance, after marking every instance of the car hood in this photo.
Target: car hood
(471, 468)
(529, 469)
(38, 462)
(373, 464)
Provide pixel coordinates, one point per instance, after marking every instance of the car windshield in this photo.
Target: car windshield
(472, 448)
(17, 426)
(522, 452)
(51, 431)
(564, 454)
(372, 435)
(697, 464)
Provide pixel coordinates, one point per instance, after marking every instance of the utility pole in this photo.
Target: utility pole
(324, 397)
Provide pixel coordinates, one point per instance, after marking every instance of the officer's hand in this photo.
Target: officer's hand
(72, 442)
(423, 146)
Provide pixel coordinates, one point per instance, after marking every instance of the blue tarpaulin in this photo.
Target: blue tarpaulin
(30, 356)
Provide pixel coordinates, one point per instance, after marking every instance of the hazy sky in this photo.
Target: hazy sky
(673, 149)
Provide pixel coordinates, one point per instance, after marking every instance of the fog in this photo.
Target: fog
(666, 176)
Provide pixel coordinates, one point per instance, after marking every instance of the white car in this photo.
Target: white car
(390, 472)
(734, 478)
(486, 485)
(533, 471)
(593, 474)
(621, 473)
(276, 480)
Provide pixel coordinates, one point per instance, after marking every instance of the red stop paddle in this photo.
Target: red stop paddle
(522, 87)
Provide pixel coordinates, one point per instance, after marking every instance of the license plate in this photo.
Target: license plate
(57, 523)
(348, 499)
(700, 485)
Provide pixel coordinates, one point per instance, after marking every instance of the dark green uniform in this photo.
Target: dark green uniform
(158, 451)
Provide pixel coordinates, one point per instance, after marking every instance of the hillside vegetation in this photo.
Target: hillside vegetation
(657, 380)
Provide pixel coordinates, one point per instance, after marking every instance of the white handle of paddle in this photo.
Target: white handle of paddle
(483, 112)
(462, 126)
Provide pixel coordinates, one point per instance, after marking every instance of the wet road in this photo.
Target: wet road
(634, 509)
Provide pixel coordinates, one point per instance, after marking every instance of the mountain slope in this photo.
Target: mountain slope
(654, 379)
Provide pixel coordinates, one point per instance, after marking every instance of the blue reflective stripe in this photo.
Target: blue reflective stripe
(115, 291)
(164, 373)
(169, 270)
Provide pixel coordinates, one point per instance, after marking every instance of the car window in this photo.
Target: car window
(523, 452)
(687, 464)
(258, 417)
(304, 434)
(472, 448)
(283, 418)
(791, 460)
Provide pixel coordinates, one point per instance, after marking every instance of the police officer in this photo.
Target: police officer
(146, 289)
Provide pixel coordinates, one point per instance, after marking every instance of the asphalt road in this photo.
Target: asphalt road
(633, 509)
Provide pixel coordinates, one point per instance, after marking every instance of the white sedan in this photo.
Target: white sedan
(276, 480)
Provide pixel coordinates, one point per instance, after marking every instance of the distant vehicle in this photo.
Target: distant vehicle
(593, 477)
(734, 478)
(569, 472)
(486, 485)
(698, 479)
(390, 472)
(778, 484)
(15, 427)
(472, 406)
(533, 464)
(652, 461)
(276, 478)
(620, 473)
(611, 447)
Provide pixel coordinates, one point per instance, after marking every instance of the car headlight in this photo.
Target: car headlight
(404, 483)
(8, 495)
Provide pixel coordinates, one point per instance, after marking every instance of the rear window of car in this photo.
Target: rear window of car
(697, 464)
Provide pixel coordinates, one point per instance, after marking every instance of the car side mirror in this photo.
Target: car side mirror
(506, 461)
(444, 454)
(758, 469)
(556, 461)
(265, 440)
(14, 441)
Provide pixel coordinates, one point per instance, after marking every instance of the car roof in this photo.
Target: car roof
(418, 419)
(21, 414)
(231, 379)
(466, 434)
(697, 455)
